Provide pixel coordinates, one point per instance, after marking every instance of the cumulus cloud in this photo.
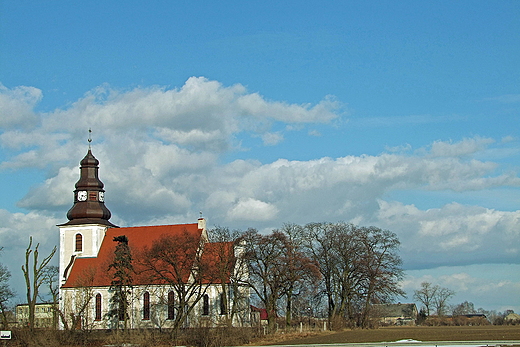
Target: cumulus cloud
(163, 157)
(17, 107)
(461, 148)
(252, 210)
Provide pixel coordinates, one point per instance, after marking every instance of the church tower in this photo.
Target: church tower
(88, 218)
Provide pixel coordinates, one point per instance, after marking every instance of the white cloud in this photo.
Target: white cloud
(271, 139)
(461, 148)
(252, 210)
(162, 154)
(17, 107)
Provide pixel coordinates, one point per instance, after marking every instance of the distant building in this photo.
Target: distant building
(395, 314)
(44, 315)
(258, 316)
(512, 318)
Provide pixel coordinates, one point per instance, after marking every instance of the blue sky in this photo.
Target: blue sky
(402, 115)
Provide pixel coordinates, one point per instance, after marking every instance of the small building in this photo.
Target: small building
(512, 318)
(258, 316)
(395, 314)
(44, 315)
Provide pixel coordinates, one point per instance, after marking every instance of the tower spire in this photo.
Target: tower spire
(89, 195)
(89, 138)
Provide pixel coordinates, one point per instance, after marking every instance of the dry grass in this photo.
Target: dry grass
(236, 337)
(388, 334)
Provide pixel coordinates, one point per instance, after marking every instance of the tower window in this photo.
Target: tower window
(98, 307)
(171, 305)
(92, 196)
(79, 243)
(146, 306)
(205, 305)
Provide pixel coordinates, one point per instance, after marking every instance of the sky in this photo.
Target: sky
(398, 114)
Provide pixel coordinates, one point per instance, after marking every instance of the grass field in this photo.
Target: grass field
(389, 334)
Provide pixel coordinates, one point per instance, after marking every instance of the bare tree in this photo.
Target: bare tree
(51, 275)
(225, 256)
(74, 313)
(319, 247)
(433, 296)
(426, 295)
(441, 300)
(381, 267)
(34, 276)
(298, 269)
(176, 261)
(6, 294)
(265, 257)
(464, 308)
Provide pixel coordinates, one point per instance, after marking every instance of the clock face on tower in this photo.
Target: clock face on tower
(101, 196)
(82, 195)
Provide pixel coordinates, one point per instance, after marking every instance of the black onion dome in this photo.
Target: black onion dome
(90, 207)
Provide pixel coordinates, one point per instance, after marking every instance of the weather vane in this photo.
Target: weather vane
(89, 137)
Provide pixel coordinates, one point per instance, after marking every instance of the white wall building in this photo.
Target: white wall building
(203, 269)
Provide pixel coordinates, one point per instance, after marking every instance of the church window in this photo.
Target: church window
(205, 305)
(171, 305)
(223, 308)
(146, 306)
(98, 307)
(79, 243)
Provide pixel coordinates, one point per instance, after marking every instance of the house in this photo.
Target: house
(395, 314)
(512, 318)
(44, 315)
(258, 316)
(177, 277)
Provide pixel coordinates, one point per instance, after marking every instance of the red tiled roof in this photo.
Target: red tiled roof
(94, 271)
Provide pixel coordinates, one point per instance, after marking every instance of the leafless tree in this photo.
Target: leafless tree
(74, 313)
(265, 254)
(464, 308)
(298, 269)
(335, 247)
(226, 258)
(433, 296)
(34, 276)
(51, 275)
(176, 261)
(381, 267)
(360, 266)
(6, 294)
(425, 295)
(441, 300)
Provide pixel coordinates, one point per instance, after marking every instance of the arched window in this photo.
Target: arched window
(98, 306)
(223, 308)
(146, 306)
(205, 305)
(171, 305)
(79, 243)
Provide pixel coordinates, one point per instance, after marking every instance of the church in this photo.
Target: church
(174, 276)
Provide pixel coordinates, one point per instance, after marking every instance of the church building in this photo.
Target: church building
(171, 276)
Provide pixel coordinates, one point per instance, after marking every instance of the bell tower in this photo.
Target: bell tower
(89, 196)
(88, 217)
